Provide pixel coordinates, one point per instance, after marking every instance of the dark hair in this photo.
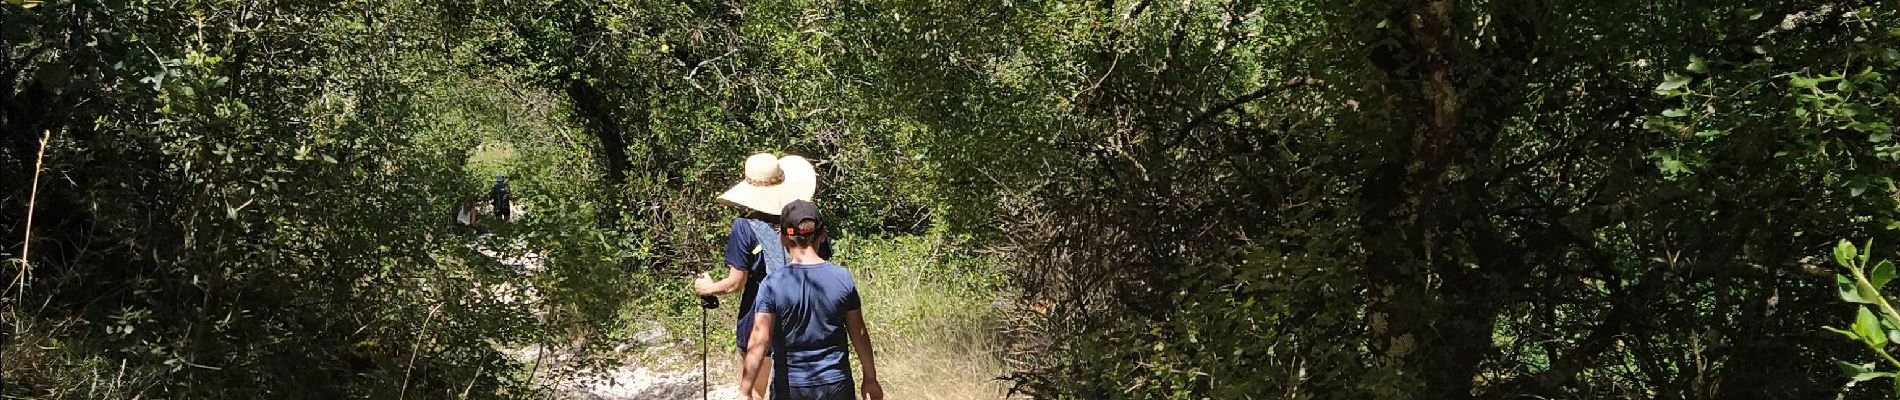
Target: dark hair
(810, 240)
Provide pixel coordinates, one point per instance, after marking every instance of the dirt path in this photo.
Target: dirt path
(632, 379)
(633, 382)
(629, 380)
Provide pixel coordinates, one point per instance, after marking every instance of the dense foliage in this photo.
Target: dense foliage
(1428, 199)
(238, 199)
(1200, 199)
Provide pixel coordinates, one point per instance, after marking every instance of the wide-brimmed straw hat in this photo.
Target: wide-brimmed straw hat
(771, 182)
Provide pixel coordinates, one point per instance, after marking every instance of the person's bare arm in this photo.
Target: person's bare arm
(734, 282)
(755, 350)
(861, 341)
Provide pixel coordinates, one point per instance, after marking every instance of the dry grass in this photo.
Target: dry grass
(931, 316)
(38, 364)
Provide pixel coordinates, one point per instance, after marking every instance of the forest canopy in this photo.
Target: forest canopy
(1200, 199)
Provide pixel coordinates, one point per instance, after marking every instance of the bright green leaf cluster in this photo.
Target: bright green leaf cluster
(1876, 324)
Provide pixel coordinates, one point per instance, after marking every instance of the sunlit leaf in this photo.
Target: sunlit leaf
(1864, 376)
(1803, 82)
(1843, 332)
(1881, 273)
(1672, 81)
(1868, 327)
(1845, 253)
(1850, 291)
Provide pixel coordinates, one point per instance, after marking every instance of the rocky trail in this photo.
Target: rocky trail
(631, 379)
(650, 367)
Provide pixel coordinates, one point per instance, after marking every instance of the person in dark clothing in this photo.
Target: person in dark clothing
(753, 251)
(807, 312)
(499, 198)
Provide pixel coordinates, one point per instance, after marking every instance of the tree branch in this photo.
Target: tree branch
(1562, 370)
(1261, 93)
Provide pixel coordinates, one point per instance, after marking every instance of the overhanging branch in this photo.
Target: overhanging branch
(1261, 93)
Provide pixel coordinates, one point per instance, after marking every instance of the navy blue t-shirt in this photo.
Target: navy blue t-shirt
(746, 253)
(808, 303)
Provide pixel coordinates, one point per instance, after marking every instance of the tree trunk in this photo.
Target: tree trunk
(1430, 314)
(597, 113)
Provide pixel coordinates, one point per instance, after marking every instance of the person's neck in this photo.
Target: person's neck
(805, 255)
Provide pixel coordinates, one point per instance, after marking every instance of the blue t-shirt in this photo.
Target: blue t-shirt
(808, 303)
(758, 258)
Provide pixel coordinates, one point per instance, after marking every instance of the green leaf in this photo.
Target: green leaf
(1698, 65)
(1672, 81)
(1849, 291)
(1675, 113)
(1852, 369)
(1857, 374)
(1673, 166)
(1868, 327)
(1847, 333)
(1656, 124)
(1844, 253)
(1864, 376)
(1803, 82)
(1880, 274)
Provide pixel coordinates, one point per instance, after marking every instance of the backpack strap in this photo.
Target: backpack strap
(767, 245)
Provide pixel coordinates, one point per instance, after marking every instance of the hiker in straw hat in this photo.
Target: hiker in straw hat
(753, 250)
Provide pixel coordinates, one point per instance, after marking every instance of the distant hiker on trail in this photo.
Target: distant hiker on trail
(499, 196)
(804, 313)
(753, 250)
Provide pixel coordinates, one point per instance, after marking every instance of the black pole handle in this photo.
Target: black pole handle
(709, 302)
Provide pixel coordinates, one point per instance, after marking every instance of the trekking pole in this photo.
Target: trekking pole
(705, 383)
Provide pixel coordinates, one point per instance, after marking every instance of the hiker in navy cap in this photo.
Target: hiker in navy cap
(805, 312)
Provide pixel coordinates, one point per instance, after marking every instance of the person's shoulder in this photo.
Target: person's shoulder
(740, 225)
(772, 280)
(839, 270)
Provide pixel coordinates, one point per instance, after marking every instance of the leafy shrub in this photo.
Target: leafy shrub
(1876, 324)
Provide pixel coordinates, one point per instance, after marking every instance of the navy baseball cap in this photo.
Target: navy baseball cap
(796, 213)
